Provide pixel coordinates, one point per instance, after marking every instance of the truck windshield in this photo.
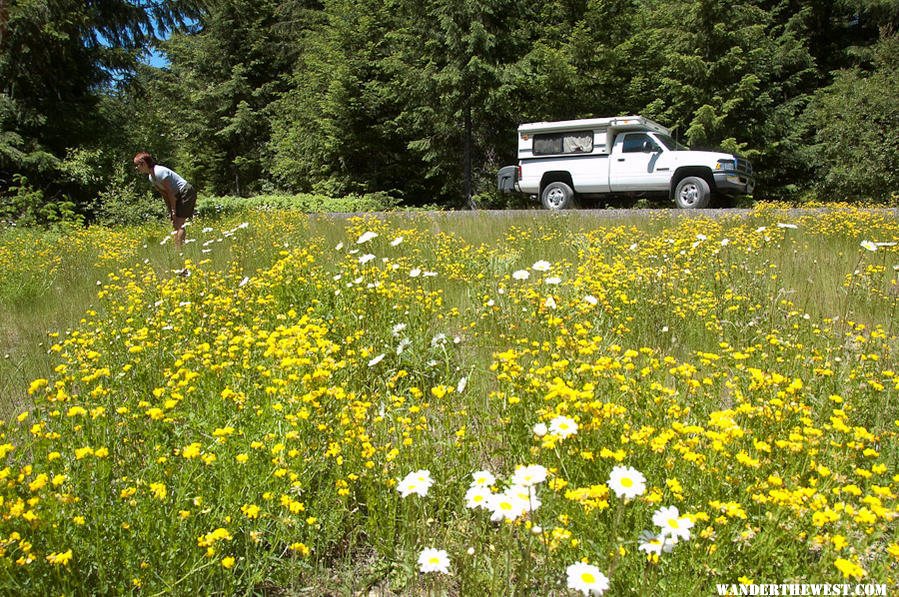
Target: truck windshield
(670, 143)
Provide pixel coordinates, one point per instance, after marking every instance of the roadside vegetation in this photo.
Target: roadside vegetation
(459, 403)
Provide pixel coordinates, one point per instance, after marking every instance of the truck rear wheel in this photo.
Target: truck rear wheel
(692, 192)
(557, 195)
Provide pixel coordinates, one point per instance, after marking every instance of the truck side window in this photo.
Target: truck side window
(547, 144)
(633, 143)
(558, 143)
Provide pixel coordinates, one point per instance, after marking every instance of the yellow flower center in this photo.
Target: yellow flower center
(673, 523)
(588, 578)
(626, 482)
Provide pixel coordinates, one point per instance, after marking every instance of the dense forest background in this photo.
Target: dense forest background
(416, 98)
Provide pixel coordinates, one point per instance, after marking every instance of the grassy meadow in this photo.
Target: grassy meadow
(457, 403)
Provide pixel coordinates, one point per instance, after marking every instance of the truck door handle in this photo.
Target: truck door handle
(620, 159)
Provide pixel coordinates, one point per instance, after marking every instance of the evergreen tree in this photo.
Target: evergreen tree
(333, 130)
(576, 67)
(853, 120)
(454, 74)
(56, 57)
(211, 105)
(724, 74)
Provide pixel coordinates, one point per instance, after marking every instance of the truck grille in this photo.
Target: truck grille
(744, 168)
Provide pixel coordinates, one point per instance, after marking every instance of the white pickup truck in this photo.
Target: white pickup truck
(627, 155)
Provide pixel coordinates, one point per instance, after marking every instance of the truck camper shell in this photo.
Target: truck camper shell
(590, 136)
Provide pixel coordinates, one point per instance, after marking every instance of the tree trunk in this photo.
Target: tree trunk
(467, 157)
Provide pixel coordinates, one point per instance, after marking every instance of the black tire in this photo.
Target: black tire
(557, 196)
(693, 192)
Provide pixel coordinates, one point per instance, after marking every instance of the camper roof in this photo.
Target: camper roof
(617, 122)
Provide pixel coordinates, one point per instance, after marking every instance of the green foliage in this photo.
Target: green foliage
(124, 202)
(497, 200)
(451, 69)
(207, 114)
(25, 205)
(421, 100)
(211, 207)
(56, 59)
(334, 130)
(855, 121)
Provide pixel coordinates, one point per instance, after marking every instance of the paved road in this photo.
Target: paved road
(602, 214)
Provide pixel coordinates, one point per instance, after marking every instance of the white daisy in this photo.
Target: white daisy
(563, 426)
(366, 236)
(529, 475)
(627, 482)
(482, 479)
(526, 494)
(505, 507)
(417, 482)
(587, 579)
(460, 387)
(652, 544)
(433, 560)
(672, 523)
(478, 497)
(403, 345)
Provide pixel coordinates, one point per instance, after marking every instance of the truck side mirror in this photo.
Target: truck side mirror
(648, 146)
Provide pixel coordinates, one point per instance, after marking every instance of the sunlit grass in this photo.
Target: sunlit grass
(252, 426)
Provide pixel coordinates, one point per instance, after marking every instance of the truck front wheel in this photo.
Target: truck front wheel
(692, 192)
(557, 195)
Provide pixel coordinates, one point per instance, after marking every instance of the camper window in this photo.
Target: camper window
(555, 143)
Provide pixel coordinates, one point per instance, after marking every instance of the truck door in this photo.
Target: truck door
(638, 163)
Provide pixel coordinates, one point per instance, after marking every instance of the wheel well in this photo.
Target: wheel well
(700, 171)
(556, 176)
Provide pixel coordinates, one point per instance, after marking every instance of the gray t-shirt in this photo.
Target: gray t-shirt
(162, 177)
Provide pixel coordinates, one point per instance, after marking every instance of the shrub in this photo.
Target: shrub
(123, 202)
(27, 206)
(309, 203)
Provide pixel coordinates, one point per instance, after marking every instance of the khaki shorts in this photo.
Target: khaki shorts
(187, 200)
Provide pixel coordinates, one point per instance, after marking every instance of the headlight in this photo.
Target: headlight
(726, 166)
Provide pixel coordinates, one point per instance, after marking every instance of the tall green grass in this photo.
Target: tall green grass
(738, 363)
